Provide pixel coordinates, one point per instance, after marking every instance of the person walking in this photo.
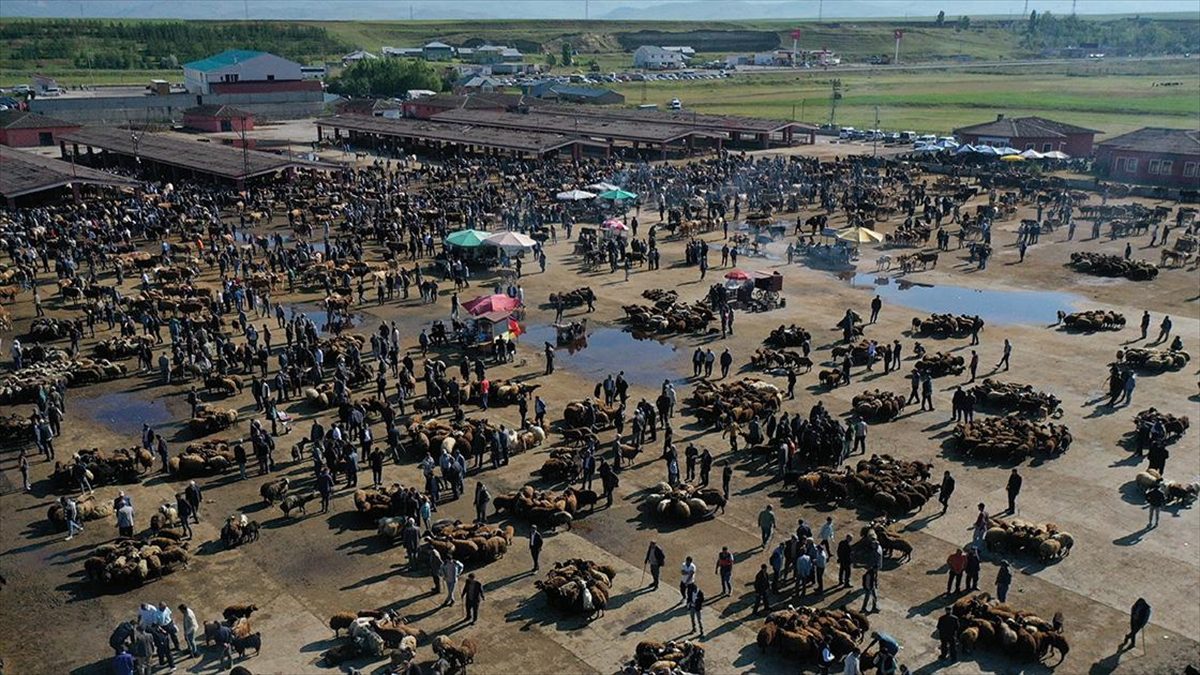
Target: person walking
(845, 553)
(451, 570)
(762, 589)
(725, 570)
(946, 490)
(982, 522)
(1164, 329)
(726, 479)
(860, 436)
(1139, 617)
(974, 364)
(1003, 581)
(957, 563)
(876, 305)
(850, 664)
(766, 524)
(972, 569)
(23, 465)
(535, 545)
(870, 584)
(695, 607)
(1145, 324)
(655, 558)
(687, 580)
(70, 511)
(1007, 353)
(472, 595)
(1013, 489)
(947, 628)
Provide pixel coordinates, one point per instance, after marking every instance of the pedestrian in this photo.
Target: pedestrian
(762, 587)
(947, 628)
(845, 553)
(726, 478)
(1006, 354)
(850, 664)
(860, 436)
(766, 524)
(656, 559)
(123, 663)
(870, 584)
(451, 569)
(1139, 617)
(535, 545)
(687, 580)
(124, 519)
(434, 560)
(70, 511)
(1156, 499)
(695, 606)
(957, 563)
(725, 570)
(1003, 581)
(1013, 488)
(876, 305)
(23, 465)
(982, 523)
(974, 364)
(973, 568)
(190, 626)
(143, 650)
(194, 498)
(472, 595)
(946, 490)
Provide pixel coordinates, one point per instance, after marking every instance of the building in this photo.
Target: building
(22, 129)
(403, 52)
(217, 118)
(477, 83)
(437, 51)
(356, 56)
(317, 71)
(651, 57)
(238, 67)
(426, 107)
(687, 52)
(371, 107)
(1152, 155)
(1030, 133)
(567, 93)
(492, 54)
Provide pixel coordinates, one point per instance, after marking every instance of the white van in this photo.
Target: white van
(676, 104)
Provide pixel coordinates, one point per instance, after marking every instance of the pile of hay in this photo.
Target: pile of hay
(741, 401)
(1105, 265)
(895, 486)
(878, 406)
(205, 458)
(87, 506)
(665, 658)
(1047, 542)
(1022, 636)
(946, 325)
(580, 586)
(1010, 439)
(1156, 360)
(104, 467)
(939, 364)
(131, 562)
(1093, 320)
(788, 336)
(210, 420)
(683, 503)
(800, 631)
(1010, 397)
(543, 507)
(1175, 427)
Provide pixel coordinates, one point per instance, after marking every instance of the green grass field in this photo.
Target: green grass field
(937, 101)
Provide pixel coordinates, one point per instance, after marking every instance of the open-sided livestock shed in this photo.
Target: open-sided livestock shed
(733, 128)
(427, 134)
(26, 173)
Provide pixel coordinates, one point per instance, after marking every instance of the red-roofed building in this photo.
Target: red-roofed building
(214, 118)
(24, 129)
(1030, 133)
(427, 106)
(1152, 156)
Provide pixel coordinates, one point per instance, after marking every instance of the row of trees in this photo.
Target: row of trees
(385, 78)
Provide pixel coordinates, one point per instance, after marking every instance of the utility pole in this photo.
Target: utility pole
(835, 94)
(875, 135)
(1073, 3)
(587, 10)
(897, 34)
(820, 11)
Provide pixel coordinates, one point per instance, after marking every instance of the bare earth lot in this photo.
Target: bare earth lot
(303, 570)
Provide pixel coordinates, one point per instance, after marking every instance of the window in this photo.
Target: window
(1165, 167)
(229, 77)
(1029, 146)
(1047, 147)
(270, 78)
(1190, 169)
(1127, 164)
(1152, 169)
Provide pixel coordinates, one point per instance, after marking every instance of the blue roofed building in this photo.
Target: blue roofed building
(235, 66)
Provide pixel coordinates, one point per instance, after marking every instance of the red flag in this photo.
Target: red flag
(514, 327)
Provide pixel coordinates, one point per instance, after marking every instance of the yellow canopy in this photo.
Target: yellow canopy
(1012, 158)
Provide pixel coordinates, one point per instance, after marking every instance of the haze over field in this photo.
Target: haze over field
(366, 10)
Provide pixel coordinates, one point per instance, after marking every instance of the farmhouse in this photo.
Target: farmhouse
(1030, 133)
(651, 57)
(22, 129)
(1153, 156)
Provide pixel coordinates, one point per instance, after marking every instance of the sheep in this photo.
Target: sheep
(234, 612)
(458, 657)
(1066, 541)
(274, 491)
(252, 641)
(293, 502)
(1049, 550)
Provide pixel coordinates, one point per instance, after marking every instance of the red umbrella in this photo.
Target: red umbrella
(737, 275)
(485, 304)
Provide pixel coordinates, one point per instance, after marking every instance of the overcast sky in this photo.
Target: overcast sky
(569, 9)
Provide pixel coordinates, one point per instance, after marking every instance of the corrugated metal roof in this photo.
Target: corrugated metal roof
(23, 173)
(223, 60)
(1157, 139)
(23, 119)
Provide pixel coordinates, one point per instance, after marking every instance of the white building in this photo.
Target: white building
(687, 52)
(651, 57)
(237, 65)
(358, 55)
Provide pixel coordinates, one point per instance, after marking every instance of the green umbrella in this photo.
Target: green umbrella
(617, 195)
(467, 238)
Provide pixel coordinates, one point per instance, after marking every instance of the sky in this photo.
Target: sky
(571, 9)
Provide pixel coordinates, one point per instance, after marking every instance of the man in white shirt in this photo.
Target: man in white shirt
(687, 581)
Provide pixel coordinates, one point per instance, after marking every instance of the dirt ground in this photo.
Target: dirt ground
(302, 570)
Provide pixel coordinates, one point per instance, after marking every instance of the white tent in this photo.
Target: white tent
(574, 195)
(1007, 151)
(511, 242)
(1056, 154)
(1032, 154)
(602, 187)
(964, 149)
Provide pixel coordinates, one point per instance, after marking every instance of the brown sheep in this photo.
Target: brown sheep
(459, 656)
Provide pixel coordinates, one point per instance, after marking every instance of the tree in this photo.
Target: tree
(551, 60)
(385, 77)
(941, 20)
(568, 54)
(964, 22)
(1033, 20)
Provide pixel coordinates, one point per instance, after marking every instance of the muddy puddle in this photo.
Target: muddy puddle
(646, 362)
(993, 306)
(121, 412)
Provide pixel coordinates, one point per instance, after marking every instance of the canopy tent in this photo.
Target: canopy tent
(602, 187)
(737, 274)
(1056, 154)
(964, 149)
(859, 235)
(1008, 150)
(614, 224)
(1032, 154)
(510, 241)
(574, 195)
(1012, 158)
(487, 304)
(467, 238)
(618, 195)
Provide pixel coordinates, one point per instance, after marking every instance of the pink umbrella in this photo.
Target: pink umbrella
(737, 275)
(486, 304)
(614, 224)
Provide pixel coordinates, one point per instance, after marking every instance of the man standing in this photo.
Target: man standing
(1003, 581)
(1145, 324)
(981, 527)
(125, 520)
(1013, 488)
(687, 580)
(193, 497)
(762, 588)
(451, 569)
(860, 436)
(974, 364)
(946, 490)
(1006, 354)
(472, 594)
(535, 546)
(766, 524)
(844, 554)
(1156, 499)
(725, 570)
(695, 606)
(947, 627)
(656, 559)
(1139, 616)
(957, 562)
(973, 566)
(876, 305)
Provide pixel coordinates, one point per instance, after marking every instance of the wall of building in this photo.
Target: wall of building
(213, 124)
(1184, 171)
(169, 108)
(30, 138)
(262, 67)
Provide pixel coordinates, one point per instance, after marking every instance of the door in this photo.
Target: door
(45, 138)
(226, 125)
